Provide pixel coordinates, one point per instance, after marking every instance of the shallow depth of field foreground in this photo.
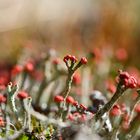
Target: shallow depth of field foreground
(69, 70)
(52, 98)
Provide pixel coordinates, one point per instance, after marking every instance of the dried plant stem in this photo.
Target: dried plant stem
(41, 89)
(13, 105)
(27, 106)
(12, 91)
(7, 125)
(67, 91)
(119, 92)
(68, 85)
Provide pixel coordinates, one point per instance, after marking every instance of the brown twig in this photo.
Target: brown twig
(119, 92)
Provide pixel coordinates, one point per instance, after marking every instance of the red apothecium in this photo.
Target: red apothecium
(58, 98)
(22, 95)
(2, 98)
(83, 60)
(70, 100)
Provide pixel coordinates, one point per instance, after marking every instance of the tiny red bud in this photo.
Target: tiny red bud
(16, 70)
(83, 60)
(115, 111)
(126, 83)
(22, 95)
(75, 103)
(69, 57)
(29, 67)
(76, 79)
(70, 100)
(2, 98)
(83, 107)
(73, 58)
(127, 80)
(132, 82)
(56, 61)
(66, 58)
(124, 74)
(58, 98)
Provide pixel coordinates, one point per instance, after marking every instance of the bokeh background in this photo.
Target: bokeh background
(69, 26)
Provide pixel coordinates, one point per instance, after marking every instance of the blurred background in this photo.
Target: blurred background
(69, 26)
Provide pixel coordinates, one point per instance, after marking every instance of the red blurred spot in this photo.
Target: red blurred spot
(121, 54)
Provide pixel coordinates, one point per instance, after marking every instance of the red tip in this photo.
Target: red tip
(22, 95)
(70, 100)
(83, 60)
(58, 98)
